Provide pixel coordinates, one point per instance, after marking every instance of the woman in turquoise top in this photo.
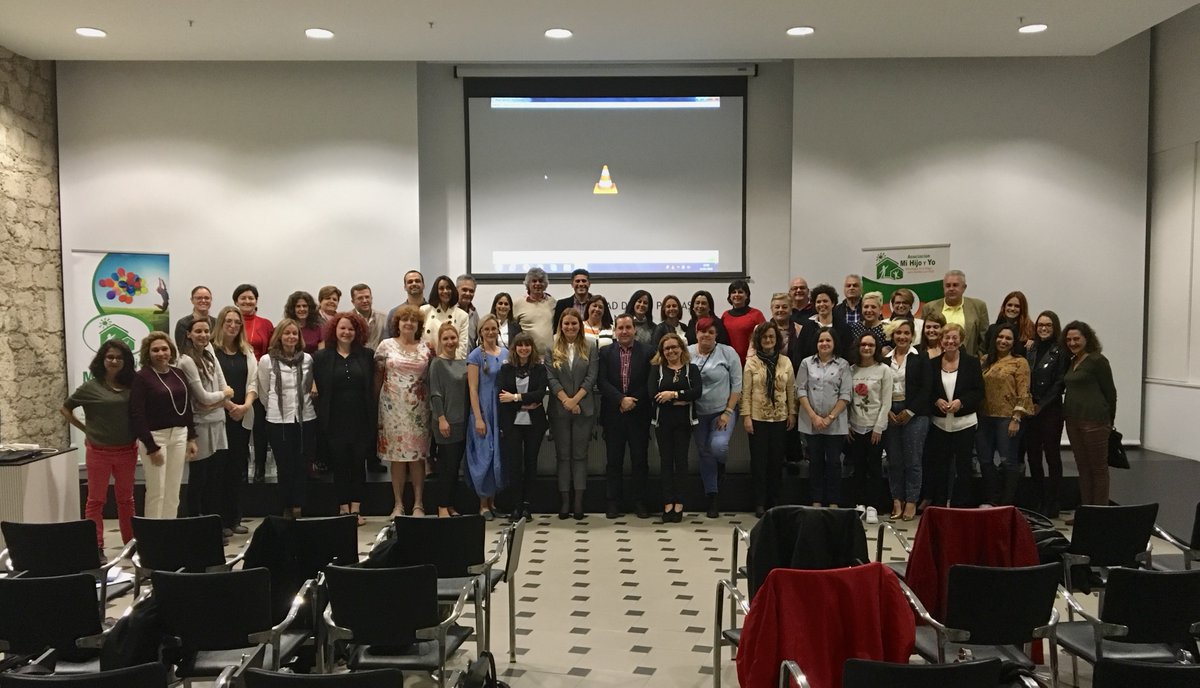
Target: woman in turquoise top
(485, 469)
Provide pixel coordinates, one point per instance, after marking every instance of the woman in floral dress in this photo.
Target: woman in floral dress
(402, 380)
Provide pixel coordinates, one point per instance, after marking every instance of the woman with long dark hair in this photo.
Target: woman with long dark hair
(671, 319)
(703, 305)
(523, 384)
(598, 324)
(640, 307)
(111, 449)
(1006, 402)
(206, 382)
(1089, 409)
(301, 308)
(768, 412)
(343, 385)
(160, 413)
(443, 308)
(1044, 427)
(506, 324)
(1014, 310)
(741, 320)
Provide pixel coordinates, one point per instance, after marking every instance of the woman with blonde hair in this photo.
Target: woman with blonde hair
(674, 384)
(448, 405)
(240, 368)
(402, 387)
(571, 372)
(160, 413)
(485, 469)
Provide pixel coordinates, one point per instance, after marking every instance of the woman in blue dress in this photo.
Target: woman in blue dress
(485, 470)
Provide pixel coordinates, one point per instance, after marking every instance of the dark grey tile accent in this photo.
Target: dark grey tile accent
(577, 650)
(579, 671)
(637, 629)
(644, 671)
(640, 649)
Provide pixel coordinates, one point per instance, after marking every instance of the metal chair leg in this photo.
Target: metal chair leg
(512, 618)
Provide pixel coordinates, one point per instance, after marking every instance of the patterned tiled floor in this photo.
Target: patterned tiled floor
(626, 602)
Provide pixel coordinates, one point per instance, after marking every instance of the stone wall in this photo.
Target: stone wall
(32, 353)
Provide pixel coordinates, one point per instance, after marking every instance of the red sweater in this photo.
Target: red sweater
(741, 327)
(822, 618)
(258, 333)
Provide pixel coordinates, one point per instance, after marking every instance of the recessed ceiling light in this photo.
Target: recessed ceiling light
(801, 31)
(1033, 28)
(318, 33)
(558, 33)
(91, 32)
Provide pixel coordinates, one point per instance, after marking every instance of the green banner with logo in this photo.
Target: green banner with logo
(916, 268)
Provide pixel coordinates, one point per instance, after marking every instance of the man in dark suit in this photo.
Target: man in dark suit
(581, 284)
(625, 413)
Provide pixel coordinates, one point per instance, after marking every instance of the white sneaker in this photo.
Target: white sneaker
(872, 515)
(860, 509)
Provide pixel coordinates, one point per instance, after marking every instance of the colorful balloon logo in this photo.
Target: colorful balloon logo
(123, 285)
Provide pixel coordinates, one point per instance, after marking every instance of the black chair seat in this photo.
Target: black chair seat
(81, 666)
(153, 675)
(898, 567)
(1078, 638)
(422, 655)
(927, 646)
(733, 636)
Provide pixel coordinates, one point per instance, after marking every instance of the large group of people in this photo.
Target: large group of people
(438, 384)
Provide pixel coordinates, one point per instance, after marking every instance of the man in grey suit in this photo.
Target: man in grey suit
(955, 308)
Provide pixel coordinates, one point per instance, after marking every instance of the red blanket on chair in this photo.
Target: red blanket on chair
(997, 536)
(820, 619)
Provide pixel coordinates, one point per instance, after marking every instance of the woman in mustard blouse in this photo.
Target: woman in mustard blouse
(1006, 402)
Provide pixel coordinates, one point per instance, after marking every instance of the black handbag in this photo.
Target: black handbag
(481, 673)
(1117, 458)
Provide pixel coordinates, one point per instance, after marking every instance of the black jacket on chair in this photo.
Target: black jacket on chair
(802, 537)
(968, 388)
(610, 382)
(506, 381)
(325, 364)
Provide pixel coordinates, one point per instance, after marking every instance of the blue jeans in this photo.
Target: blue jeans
(905, 448)
(991, 438)
(712, 446)
(825, 468)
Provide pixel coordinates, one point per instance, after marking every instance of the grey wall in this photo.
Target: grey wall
(1173, 334)
(1033, 170)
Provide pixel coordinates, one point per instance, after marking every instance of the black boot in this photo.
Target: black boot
(1050, 506)
(712, 511)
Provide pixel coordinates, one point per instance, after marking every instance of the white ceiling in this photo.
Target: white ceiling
(605, 30)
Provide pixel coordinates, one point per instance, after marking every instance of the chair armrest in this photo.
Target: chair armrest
(92, 642)
(740, 536)
(732, 591)
(273, 634)
(1102, 629)
(231, 675)
(237, 559)
(954, 635)
(1159, 532)
(1146, 558)
(501, 543)
(125, 553)
(899, 536)
(791, 670)
(438, 632)
(225, 679)
(1071, 560)
(1050, 630)
(334, 631)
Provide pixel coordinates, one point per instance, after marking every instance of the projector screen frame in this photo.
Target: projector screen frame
(599, 87)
